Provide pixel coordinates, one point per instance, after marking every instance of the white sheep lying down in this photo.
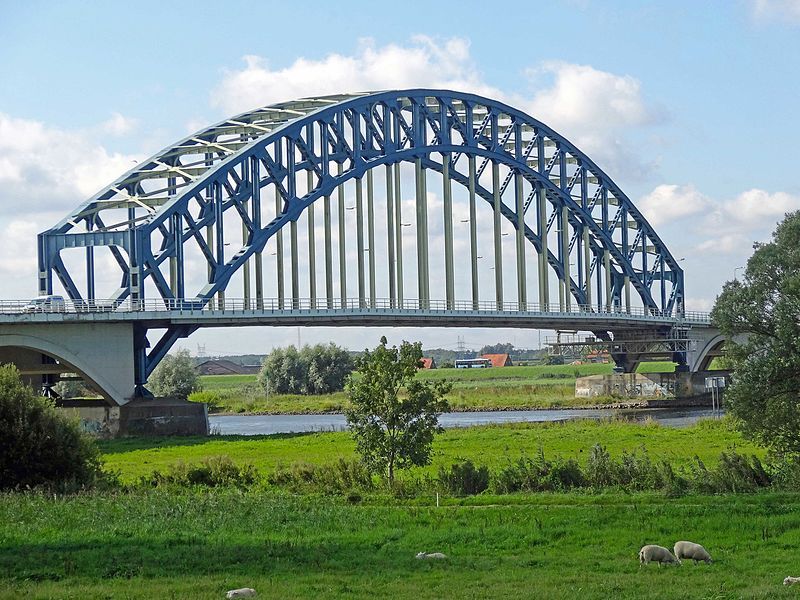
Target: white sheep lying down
(434, 555)
(691, 550)
(241, 593)
(653, 553)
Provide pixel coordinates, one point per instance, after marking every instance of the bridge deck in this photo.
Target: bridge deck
(409, 313)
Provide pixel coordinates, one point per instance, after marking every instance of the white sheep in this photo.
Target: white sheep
(691, 550)
(435, 555)
(653, 553)
(791, 580)
(241, 593)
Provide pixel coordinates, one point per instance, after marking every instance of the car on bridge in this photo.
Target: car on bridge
(47, 303)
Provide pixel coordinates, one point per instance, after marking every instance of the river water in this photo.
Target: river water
(268, 424)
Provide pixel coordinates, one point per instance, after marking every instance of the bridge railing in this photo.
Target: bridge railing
(285, 305)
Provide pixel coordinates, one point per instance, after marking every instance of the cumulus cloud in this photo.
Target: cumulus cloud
(725, 226)
(425, 62)
(669, 202)
(595, 109)
(118, 125)
(776, 10)
(45, 172)
(47, 168)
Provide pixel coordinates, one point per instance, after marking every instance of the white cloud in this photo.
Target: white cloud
(725, 244)
(46, 168)
(118, 125)
(45, 172)
(776, 10)
(595, 109)
(758, 206)
(669, 202)
(425, 62)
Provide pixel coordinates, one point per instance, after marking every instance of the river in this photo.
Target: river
(269, 424)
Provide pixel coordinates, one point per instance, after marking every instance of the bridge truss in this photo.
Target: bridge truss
(239, 203)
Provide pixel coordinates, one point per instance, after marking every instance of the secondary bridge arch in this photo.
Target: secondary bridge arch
(579, 242)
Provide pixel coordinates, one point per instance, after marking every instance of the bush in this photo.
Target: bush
(320, 369)
(464, 479)
(175, 376)
(217, 471)
(340, 477)
(40, 446)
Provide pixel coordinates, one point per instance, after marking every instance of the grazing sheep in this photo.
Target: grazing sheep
(691, 550)
(791, 580)
(241, 593)
(423, 555)
(653, 553)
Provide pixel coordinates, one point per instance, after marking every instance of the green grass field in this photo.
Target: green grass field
(199, 544)
(491, 445)
(473, 389)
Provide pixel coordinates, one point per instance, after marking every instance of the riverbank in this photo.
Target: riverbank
(544, 387)
(640, 404)
(491, 445)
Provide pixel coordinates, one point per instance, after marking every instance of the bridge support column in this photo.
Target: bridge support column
(371, 238)
(279, 268)
(398, 223)
(498, 240)
(473, 233)
(342, 256)
(541, 217)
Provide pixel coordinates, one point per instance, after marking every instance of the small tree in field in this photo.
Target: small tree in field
(175, 376)
(392, 416)
(765, 307)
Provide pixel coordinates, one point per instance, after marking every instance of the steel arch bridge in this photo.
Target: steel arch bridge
(215, 210)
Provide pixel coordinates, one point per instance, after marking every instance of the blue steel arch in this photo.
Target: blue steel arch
(234, 159)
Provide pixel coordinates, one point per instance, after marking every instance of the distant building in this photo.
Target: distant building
(598, 356)
(221, 366)
(499, 360)
(427, 363)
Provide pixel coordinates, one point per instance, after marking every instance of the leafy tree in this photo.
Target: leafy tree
(497, 349)
(392, 416)
(38, 444)
(175, 376)
(282, 372)
(328, 367)
(319, 369)
(765, 306)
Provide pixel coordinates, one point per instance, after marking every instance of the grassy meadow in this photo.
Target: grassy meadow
(179, 542)
(492, 445)
(544, 386)
(197, 545)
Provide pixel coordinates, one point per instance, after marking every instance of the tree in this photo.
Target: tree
(497, 349)
(765, 306)
(327, 368)
(282, 372)
(38, 444)
(319, 369)
(392, 416)
(175, 376)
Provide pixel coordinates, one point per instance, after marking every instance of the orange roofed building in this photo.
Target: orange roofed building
(427, 363)
(499, 360)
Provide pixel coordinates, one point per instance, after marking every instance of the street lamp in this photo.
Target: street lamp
(734, 272)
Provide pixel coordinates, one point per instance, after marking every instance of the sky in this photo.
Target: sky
(689, 106)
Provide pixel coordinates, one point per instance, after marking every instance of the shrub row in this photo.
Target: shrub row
(634, 471)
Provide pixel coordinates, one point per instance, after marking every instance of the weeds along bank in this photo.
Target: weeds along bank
(197, 543)
(531, 387)
(493, 446)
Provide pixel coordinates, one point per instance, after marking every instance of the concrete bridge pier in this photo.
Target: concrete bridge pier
(102, 354)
